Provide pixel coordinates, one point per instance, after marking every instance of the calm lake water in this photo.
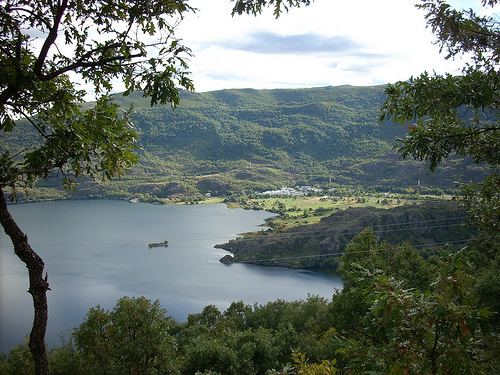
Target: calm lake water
(96, 251)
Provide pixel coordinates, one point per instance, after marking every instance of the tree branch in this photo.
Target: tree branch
(372, 338)
(81, 64)
(41, 170)
(42, 133)
(44, 170)
(475, 132)
(51, 38)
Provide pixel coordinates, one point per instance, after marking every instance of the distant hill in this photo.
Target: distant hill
(254, 139)
(244, 140)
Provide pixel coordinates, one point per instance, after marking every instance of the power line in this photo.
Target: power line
(355, 230)
(342, 252)
(302, 234)
(102, 244)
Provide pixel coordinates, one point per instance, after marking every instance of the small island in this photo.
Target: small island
(158, 244)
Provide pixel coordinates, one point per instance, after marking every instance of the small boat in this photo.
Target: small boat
(158, 244)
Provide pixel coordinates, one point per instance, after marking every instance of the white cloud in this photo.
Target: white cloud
(331, 42)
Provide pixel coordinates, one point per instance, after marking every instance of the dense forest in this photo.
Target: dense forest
(232, 141)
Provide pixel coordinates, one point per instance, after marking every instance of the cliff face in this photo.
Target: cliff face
(321, 244)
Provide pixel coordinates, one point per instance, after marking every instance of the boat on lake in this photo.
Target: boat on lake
(158, 244)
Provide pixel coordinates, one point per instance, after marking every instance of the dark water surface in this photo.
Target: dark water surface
(95, 252)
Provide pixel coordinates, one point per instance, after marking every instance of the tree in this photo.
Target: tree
(100, 42)
(256, 6)
(401, 313)
(44, 45)
(412, 331)
(18, 361)
(364, 254)
(457, 114)
(134, 338)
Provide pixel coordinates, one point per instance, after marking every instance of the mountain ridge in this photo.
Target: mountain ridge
(238, 141)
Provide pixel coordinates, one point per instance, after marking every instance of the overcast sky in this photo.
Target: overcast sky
(331, 42)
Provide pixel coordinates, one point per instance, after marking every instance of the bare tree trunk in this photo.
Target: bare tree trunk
(37, 288)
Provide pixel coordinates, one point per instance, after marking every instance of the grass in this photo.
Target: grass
(302, 210)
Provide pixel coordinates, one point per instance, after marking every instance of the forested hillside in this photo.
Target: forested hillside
(257, 139)
(242, 141)
(234, 143)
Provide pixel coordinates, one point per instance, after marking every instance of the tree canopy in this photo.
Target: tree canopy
(457, 114)
(45, 43)
(256, 6)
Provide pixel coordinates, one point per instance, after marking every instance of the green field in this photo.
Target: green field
(302, 210)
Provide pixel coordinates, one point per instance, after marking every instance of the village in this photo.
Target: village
(288, 191)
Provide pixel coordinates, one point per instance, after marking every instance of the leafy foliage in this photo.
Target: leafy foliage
(256, 6)
(133, 338)
(416, 332)
(394, 323)
(456, 114)
(34, 83)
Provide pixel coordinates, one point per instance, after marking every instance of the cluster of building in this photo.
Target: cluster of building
(288, 191)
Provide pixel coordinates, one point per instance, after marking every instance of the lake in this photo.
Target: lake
(96, 251)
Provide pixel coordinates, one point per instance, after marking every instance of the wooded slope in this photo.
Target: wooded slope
(244, 140)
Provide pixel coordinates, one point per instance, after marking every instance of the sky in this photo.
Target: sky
(329, 43)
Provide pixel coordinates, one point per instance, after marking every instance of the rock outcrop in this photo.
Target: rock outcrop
(227, 259)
